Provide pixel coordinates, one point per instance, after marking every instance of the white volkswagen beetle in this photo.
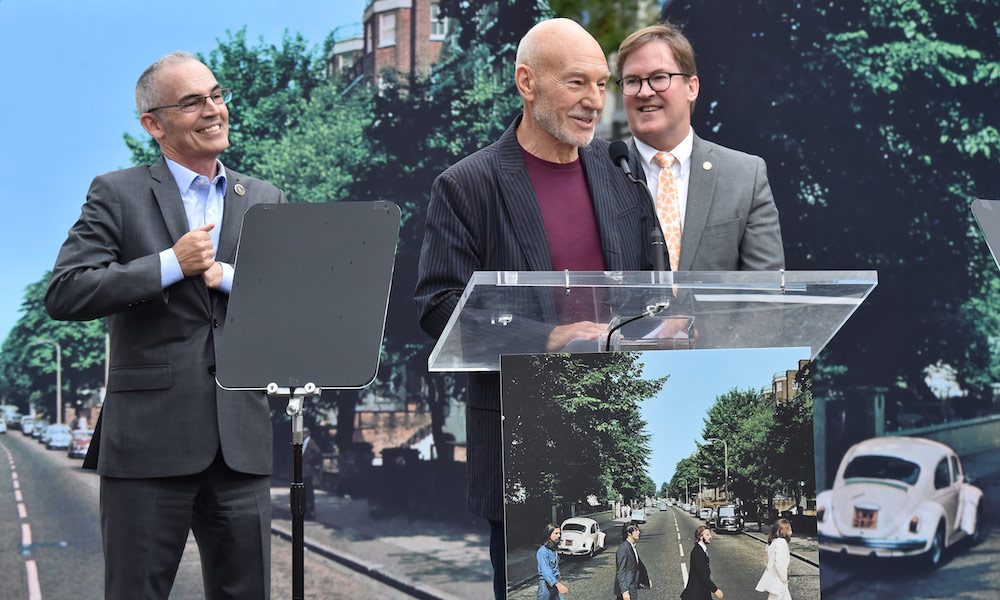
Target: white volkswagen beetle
(898, 496)
(581, 536)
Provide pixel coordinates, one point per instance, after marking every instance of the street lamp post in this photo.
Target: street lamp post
(725, 461)
(58, 374)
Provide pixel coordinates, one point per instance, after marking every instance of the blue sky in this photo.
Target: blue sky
(677, 415)
(69, 69)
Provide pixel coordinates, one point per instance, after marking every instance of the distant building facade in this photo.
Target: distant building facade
(405, 36)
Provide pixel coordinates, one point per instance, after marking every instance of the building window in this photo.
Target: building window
(368, 37)
(439, 24)
(779, 387)
(386, 30)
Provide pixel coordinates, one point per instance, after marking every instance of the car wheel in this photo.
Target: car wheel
(980, 534)
(936, 551)
(593, 550)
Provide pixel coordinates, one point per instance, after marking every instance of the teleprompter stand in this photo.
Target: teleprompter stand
(306, 313)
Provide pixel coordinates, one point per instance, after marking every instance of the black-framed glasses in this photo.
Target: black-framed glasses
(658, 82)
(190, 104)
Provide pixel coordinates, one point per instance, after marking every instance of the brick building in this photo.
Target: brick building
(405, 36)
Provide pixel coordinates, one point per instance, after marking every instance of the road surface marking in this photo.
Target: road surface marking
(17, 485)
(684, 574)
(34, 590)
(21, 511)
(25, 535)
(681, 549)
(18, 496)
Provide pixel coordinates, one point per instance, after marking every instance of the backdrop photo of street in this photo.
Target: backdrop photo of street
(668, 441)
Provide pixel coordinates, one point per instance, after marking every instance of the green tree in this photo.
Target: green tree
(579, 430)
(609, 21)
(791, 442)
(28, 366)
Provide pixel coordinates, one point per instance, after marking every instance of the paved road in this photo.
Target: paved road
(667, 537)
(968, 572)
(47, 498)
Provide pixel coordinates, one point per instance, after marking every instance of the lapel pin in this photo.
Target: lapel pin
(706, 165)
(240, 190)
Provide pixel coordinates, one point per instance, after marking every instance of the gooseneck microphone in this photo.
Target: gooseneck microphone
(619, 154)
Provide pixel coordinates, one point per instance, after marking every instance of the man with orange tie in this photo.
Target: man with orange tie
(714, 204)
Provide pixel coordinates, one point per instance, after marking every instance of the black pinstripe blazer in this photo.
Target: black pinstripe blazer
(483, 216)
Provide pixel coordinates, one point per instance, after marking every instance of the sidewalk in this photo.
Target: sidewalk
(804, 548)
(422, 557)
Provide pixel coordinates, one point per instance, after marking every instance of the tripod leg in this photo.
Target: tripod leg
(297, 507)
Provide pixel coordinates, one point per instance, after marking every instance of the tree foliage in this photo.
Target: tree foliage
(577, 429)
(28, 365)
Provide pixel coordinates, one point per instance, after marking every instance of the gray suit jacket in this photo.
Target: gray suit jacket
(731, 222)
(163, 414)
(483, 216)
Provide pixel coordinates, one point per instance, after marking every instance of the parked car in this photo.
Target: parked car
(728, 518)
(3, 426)
(704, 513)
(581, 536)
(638, 515)
(57, 437)
(662, 505)
(39, 431)
(27, 425)
(79, 443)
(899, 496)
(694, 510)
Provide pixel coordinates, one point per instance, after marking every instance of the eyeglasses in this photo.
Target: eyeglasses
(190, 104)
(658, 82)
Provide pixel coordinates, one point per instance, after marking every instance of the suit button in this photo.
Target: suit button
(215, 323)
(211, 370)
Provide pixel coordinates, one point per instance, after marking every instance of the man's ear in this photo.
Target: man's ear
(524, 78)
(152, 125)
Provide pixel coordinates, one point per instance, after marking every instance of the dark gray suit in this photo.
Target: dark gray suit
(163, 416)
(483, 216)
(731, 221)
(630, 573)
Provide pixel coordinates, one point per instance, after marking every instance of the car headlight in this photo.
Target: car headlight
(914, 524)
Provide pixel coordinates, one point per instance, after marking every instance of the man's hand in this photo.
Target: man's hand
(562, 588)
(213, 276)
(718, 594)
(564, 334)
(194, 251)
(626, 596)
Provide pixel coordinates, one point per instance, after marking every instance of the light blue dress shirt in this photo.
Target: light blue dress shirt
(203, 204)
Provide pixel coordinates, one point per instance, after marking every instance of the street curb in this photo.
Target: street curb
(374, 571)
(798, 556)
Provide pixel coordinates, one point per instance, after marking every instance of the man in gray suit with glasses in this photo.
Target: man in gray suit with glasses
(153, 251)
(714, 204)
(544, 197)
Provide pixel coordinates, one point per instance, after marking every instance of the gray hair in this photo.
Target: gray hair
(147, 95)
(527, 51)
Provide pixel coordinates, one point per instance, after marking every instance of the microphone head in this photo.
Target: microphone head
(618, 152)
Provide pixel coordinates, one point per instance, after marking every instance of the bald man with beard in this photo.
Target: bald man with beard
(544, 197)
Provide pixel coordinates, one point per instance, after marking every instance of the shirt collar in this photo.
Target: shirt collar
(703, 547)
(185, 177)
(681, 152)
